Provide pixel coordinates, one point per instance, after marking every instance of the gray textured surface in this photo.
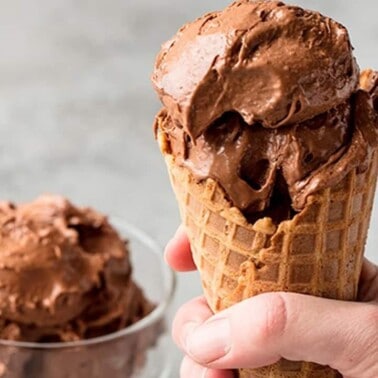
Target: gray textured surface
(76, 105)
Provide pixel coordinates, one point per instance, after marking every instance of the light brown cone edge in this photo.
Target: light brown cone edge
(318, 252)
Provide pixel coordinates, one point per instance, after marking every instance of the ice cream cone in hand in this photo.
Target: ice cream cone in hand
(270, 137)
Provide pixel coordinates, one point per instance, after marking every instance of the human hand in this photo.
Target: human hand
(343, 335)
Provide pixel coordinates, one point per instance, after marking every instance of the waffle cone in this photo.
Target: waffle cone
(318, 252)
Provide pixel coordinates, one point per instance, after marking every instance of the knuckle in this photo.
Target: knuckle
(275, 317)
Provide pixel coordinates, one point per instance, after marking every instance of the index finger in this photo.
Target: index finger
(177, 252)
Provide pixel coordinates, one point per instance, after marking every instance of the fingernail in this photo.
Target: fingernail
(209, 341)
(186, 331)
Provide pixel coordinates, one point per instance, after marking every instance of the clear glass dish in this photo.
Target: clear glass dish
(139, 351)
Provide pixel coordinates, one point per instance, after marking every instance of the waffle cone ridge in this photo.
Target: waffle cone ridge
(318, 252)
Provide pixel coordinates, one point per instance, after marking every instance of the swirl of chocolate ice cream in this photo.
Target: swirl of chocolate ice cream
(64, 273)
(272, 63)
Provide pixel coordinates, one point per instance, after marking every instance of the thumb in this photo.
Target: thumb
(261, 330)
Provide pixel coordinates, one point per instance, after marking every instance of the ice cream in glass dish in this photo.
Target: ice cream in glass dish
(69, 302)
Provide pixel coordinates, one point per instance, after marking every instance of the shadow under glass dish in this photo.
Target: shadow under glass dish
(138, 351)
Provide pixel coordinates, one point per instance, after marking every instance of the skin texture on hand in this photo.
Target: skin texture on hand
(297, 327)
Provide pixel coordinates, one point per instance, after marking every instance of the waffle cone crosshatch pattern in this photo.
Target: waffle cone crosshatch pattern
(318, 252)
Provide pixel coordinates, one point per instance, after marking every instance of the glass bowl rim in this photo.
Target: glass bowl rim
(156, 313)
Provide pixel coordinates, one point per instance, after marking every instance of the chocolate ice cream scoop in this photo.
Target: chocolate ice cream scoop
(272, 172)
(257, 167)
(272, 63)
(64, 272)
(265, 98)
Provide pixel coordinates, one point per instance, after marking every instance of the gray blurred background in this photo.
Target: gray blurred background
(76, 104)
